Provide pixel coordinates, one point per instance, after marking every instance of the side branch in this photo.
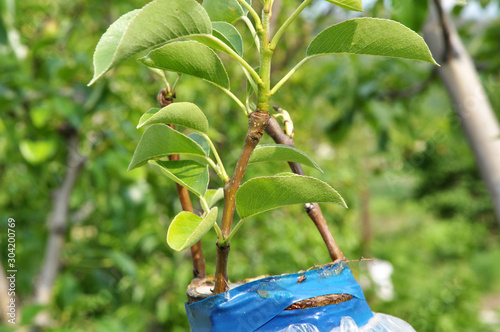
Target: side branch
(199, 271)
(313, 210)
(196, 250)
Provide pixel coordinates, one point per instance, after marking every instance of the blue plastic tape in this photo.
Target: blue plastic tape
(260, 305)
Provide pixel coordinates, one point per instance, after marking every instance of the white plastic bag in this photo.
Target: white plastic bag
(378, 323)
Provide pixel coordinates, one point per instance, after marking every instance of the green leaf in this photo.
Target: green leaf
(187, 173)
(224, 10)
(146, 116)
(189, 57)
(229, 35)
(266, 193)
(355, 5)
(183, 114)
(279, 152)
(201, 142)
(214, 195)
(155, 24)
(160, 141)
(187, 228)
(36, 152)
(371, 36)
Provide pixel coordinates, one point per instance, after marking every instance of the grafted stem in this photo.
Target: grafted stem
(256, 125)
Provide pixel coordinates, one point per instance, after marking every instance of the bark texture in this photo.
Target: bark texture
(470, 101)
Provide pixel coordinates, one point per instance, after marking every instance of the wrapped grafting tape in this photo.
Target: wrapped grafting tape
(260, 305)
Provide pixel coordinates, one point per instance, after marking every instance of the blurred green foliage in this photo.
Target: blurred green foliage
(358, 117)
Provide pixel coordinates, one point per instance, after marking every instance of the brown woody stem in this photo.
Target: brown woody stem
(196, 250)
(166, 98)
(257, 122)
(313, 210)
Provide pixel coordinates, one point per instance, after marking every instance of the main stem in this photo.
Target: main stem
(258, 121)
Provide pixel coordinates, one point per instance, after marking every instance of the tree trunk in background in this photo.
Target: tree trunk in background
(57, 223)
(470, 101)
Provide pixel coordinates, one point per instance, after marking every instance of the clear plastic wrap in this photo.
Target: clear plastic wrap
(378, 323)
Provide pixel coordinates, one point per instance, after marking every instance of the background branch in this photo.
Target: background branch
(57, 223)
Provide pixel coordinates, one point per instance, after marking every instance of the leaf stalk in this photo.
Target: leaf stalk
(256, 18)
(235, 56)
(220, 165)
(252, 30)
(288, 75)
(287, 23)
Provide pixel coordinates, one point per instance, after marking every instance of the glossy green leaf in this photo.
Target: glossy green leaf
(371, 36)
(204, 145)
(355, 5)
(279, 152)
(183, 114)
(187, 228)
(155, 24)
(188, 173)
(214, 195)
(266, 193)
(160, 141)
(189, 57)
(229, 35)
(201, 142)
(147, 115)
(224, 10)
